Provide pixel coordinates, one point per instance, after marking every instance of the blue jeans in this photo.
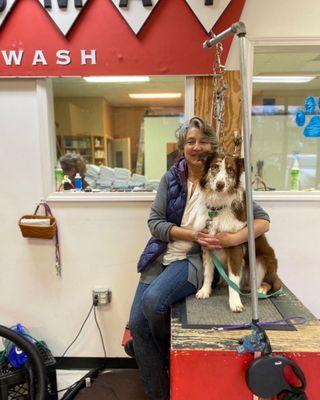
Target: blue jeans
(150, 326)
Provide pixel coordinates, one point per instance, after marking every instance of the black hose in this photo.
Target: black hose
(35, 359)
(72, 392)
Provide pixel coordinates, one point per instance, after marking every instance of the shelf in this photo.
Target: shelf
(85, 146)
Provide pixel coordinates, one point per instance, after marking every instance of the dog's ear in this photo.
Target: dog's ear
(206, 159)
(240, 165)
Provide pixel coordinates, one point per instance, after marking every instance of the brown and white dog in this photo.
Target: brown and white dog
(223, 190)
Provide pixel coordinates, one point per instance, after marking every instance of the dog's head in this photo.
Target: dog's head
(222, 173)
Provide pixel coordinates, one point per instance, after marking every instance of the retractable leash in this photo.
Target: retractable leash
(268, 365)
(265, 375)
(58, 255)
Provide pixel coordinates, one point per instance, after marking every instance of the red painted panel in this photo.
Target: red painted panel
(170, 42)
(210, 375)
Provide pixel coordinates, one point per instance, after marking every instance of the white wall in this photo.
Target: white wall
(100, 242)
(291, 19)
(281, 18)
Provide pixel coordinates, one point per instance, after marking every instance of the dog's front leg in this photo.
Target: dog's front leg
(208, 268)
(235, 264)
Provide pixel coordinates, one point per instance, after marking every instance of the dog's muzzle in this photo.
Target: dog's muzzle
(220, 186)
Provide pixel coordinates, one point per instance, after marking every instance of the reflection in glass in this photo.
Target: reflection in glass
(276, 107)
(126, 143)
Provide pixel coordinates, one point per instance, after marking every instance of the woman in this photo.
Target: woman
(72, 164)
(168, 274)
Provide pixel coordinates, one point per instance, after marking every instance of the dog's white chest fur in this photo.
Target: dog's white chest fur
(224, 219)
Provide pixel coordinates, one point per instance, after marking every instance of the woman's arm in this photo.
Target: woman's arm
(177, 233)
(157, 221)
(261, 225)
(228, 239)
(159, 227)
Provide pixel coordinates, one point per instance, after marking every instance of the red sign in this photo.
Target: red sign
(101, 43)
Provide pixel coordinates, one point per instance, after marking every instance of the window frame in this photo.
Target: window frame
(44, 90)
(276, 41)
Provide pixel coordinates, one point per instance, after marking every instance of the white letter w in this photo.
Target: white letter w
(13, 56)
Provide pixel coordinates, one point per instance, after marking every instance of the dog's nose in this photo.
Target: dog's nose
(220, 186)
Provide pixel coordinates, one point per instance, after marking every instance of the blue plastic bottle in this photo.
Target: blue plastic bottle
(78, 182)
(17, 357)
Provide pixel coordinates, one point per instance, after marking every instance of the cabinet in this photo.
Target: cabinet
(99, 150)
(80, 144)
(91, 148)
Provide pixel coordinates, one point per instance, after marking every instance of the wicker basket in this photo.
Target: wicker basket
(40, 232)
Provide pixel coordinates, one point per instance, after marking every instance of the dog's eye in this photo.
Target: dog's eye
(230, 170)
(214, 167)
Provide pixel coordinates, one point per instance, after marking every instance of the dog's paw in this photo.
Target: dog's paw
(236, 306)
(203, 293)
(263, 290)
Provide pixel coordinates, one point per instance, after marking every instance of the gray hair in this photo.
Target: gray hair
(73, 161)
(205, 129)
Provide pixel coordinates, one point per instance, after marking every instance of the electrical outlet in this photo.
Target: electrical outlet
(101, 296)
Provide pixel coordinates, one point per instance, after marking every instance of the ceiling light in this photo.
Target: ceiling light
(116, 79)
(282, 79)
(154, 95)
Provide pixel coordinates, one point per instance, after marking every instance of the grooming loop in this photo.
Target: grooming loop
(217, 114)
(219, 90)
(237, 142)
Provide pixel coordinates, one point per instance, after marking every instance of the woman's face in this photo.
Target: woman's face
(195, 144)
(71, 172)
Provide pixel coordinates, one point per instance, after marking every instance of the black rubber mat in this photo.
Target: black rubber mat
(215, 311)
(115, 385)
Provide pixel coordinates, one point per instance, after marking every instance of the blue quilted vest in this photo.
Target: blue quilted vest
(176, 201)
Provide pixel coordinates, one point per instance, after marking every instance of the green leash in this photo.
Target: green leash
(234, 286)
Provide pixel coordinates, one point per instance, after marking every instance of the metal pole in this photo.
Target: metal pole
(240, 30)
(247, 165)
(237, 28)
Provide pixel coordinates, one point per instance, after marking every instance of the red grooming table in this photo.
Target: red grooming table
(206, 366)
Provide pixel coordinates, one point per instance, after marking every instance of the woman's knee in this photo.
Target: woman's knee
(151, 305)
(137, 325)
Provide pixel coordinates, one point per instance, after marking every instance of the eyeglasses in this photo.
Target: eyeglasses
(200, 143)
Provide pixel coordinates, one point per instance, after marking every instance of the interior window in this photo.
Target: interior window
(118, 133)
(285, 118)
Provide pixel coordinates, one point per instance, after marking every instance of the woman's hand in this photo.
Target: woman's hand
(228, 239)
(216, 242)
